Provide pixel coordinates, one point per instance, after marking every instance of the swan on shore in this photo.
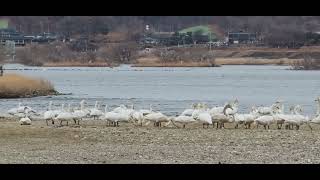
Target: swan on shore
(267, 120)
(182, 119)
(157, 118)
(49, 115)
(80, 114)
(95, 112)
(65, 115)
(25, 121)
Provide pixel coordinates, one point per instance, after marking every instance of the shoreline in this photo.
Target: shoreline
(75, 64)
(55, 93)
(94, 143)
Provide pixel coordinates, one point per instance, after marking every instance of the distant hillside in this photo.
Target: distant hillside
(79, 24)
(200, 30)
(3, 23)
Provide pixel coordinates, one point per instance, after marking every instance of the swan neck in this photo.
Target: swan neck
(82, 106)
(318, 107)
(50, 106)
(106, 109)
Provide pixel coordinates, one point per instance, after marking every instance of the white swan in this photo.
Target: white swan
(182, 119)
(137, 118)
(246, 119)
(221, 118)
(316, 119)
(219, 109)
(318, 106)
(267, 120)
(20, 111)
(147, 111)
(297, 119)
(115, 118)
(65, 115)
(87, 111)
(80, 114)
(95, 112)
(157, 118)
(188, 112)
(49, 115)
(119, 109)
(25, 121)
(205, 119)
(268, 110)
(231, 111)
(203, 116)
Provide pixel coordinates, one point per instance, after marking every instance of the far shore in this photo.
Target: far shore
(153, 62)
(76, 64)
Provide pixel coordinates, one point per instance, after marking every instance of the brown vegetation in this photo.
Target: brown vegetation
(17, 86)
(307, 63)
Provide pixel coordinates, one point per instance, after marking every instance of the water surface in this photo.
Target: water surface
(171, 90)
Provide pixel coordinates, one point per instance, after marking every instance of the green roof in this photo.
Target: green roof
(201, 30)
(3, 23)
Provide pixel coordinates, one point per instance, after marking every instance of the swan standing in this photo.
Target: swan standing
(297, 119)
(65, 115)
(188, 112)
(266, 120)
(316, 119)
(182, 119)
(80, 114)
(157, 118)
(95, 112)
(147, 111)
(246, 119)
(136, 117)
(203, 116)
(49, 115)
(268, 110)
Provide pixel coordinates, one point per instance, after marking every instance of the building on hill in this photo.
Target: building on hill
(199, 34)
(241, 37)
(8, 34)
(4, 23)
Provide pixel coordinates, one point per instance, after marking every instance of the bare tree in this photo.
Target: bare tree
(2, 58)
(308, 63)
(92, 56)
(2, 53)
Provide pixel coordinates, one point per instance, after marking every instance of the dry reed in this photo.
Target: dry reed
(18, 86)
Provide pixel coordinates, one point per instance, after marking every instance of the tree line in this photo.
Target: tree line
(270, 26)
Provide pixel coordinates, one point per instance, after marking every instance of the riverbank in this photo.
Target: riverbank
(94, 143)
(76, 64)
(176, 64)
(155, 62)
(17, 86)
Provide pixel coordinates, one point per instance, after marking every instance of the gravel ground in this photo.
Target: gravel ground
(93, 142)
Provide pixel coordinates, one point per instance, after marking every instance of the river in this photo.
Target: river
(171, 90)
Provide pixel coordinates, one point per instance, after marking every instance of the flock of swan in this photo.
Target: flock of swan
(199, 113)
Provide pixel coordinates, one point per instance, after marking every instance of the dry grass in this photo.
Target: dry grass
(156, 62)
(15, 86)
(175, 64)
(254, 61)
